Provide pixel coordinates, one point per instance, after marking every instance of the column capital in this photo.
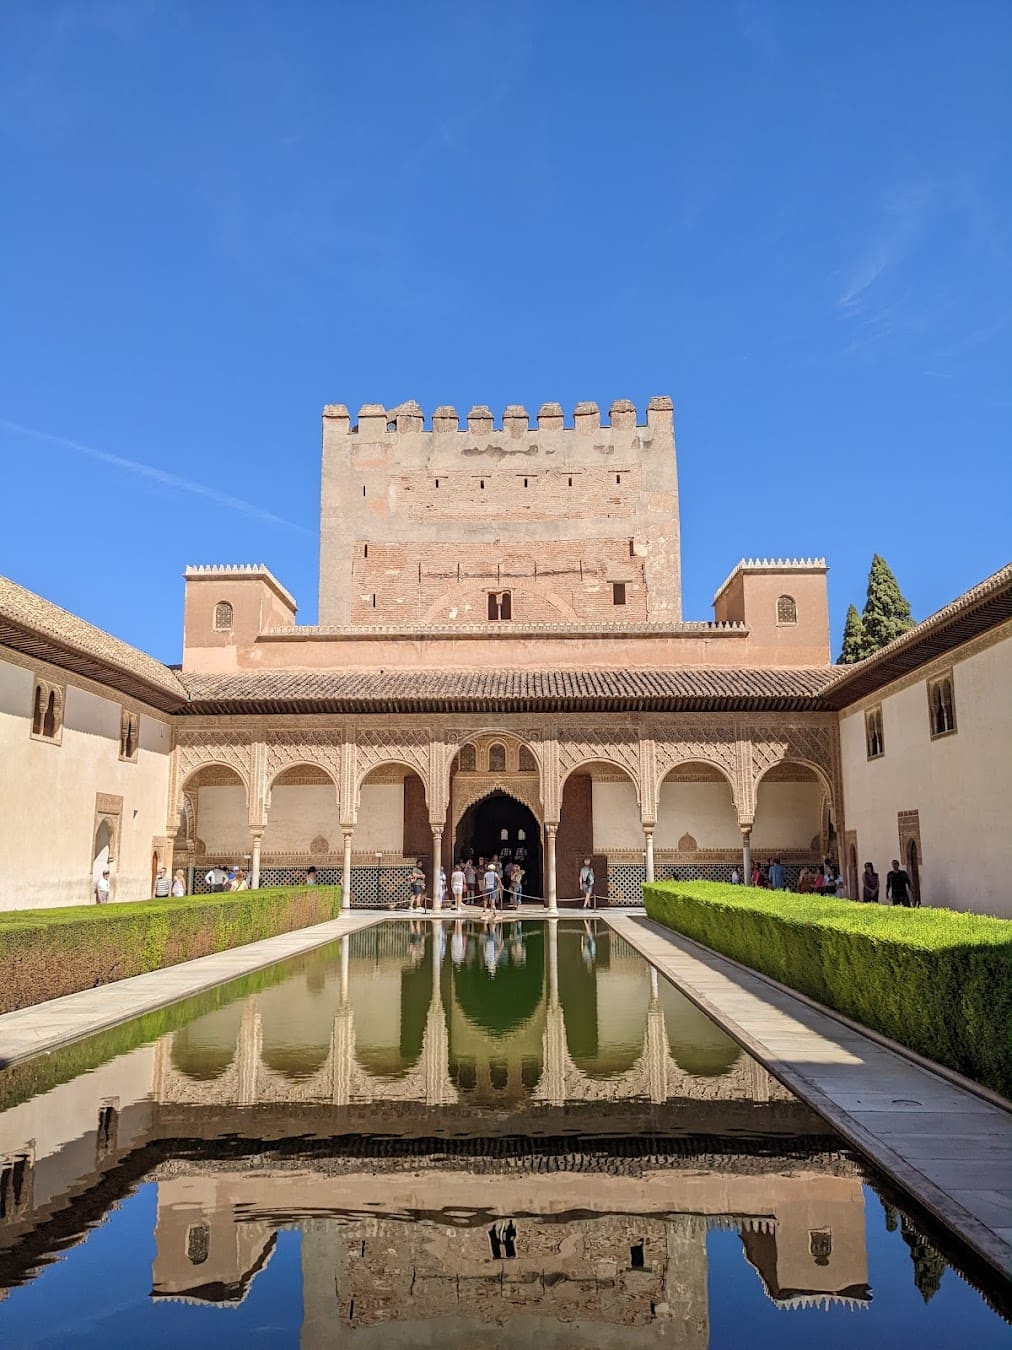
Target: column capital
(745, 828)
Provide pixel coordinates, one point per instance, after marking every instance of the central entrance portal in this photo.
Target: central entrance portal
(499, 823)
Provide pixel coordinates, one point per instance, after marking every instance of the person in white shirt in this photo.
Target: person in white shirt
(457, 886)
(492, 884)
(587, 882)
(216, 879)
(179, 883)
(102, 888)
(163, 885)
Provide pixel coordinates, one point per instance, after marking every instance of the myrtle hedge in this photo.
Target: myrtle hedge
(45, 953)
(936, 980)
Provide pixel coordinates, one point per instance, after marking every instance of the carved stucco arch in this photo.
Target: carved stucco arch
(391, 761)
(820, 774)
(693, 758)
(481, 788)
(305, 762)
(184, 779)
(609, 761)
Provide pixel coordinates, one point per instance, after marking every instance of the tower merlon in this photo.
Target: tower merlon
(376, 422)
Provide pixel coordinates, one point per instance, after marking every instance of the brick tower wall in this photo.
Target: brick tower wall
(420, 527)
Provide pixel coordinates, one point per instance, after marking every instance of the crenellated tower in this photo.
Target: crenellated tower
(467, 523)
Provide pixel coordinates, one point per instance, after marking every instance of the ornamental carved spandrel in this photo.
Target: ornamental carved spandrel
(718, 748)
(394, 746)
(197, 749)
(610, 745)
(807, 744)
(286, 749)
(514, 738)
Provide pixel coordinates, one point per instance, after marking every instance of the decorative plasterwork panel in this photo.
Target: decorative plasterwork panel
(611, 745)
(196, 749)
(474, 788)
(321, 749)
(908, 825)
(398, 746)
(716, 746)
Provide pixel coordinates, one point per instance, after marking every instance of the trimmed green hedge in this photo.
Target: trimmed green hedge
(45, 953)
(936, 980)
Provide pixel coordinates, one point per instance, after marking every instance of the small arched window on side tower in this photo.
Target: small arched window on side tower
(942, 706)
(223, 616)
(787, 610)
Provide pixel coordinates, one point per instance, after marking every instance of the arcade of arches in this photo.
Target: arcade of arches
(689, 796)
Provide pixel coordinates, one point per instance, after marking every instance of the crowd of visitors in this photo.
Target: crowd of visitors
(495, 883)
(828, 879)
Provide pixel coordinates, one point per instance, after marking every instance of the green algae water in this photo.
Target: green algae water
(455, 1134)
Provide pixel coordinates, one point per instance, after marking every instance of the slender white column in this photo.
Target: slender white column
(346, 872)
(255, 865)
(648, 834)
(553, 898)
(746, 854)
(345, 967)
(437, 859)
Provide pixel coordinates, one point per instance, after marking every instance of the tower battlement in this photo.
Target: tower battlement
(579, 523)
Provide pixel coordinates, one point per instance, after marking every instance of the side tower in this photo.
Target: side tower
(476, 523)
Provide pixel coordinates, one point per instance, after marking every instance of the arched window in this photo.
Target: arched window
(941, 706)
(49, 720)
(497, 758)
(787, 610)
(873, 733)
(467, 759)
(223, 616)
(129, 726)
(526, 762)
(500, 605)
(37, 708)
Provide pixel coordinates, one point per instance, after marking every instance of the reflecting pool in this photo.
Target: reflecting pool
(444, 1133)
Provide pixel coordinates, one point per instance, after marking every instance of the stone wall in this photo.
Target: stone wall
(421, 526)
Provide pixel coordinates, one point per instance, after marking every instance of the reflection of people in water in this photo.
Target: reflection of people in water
(588, 945)
(493, 948)
(457, 945)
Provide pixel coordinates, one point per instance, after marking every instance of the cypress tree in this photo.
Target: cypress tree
(886, 612)
(853, 638)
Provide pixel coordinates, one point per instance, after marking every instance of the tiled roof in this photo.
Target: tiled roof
(977, 610)
(688, 688)
(38, 628)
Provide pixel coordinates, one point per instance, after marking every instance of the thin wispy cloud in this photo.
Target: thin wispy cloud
(895, 234)
(155, 475)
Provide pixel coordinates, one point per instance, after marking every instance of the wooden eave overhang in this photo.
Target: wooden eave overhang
(684, 690)
(977, 611)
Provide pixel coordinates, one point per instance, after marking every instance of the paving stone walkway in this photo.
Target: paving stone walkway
(947, 1147)
(44, 1026)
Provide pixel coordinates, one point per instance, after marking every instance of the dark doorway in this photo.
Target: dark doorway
(481, 833)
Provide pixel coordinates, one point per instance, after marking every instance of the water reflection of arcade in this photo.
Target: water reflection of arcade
(500, 824)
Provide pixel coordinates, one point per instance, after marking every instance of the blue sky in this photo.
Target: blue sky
(794, 218)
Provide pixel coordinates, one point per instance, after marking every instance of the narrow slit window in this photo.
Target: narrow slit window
(873, 733)
(942, 707)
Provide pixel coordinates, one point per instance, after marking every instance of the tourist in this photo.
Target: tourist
(759, 877)
(179, 883)
(778, 875)
(470, 878)
(310, 876)
(457, 886)
(441, 885)
(492, 886)
(735, 877)
(416, 887)
(898, 886)
(587, 883)
(215, 879)
(163, 885)
(869, 885)
(102, 888)
(806, 882)
(516, 885)
(841, 887)
(241, 882)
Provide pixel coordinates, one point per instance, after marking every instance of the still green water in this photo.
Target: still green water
(452, 1134)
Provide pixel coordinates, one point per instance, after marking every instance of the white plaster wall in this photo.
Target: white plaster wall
(223, 819)
(960, 784)
(704, 810)
(617, 822)
(787, 815)
(47, 797)
(298, 814)
(380, 819)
